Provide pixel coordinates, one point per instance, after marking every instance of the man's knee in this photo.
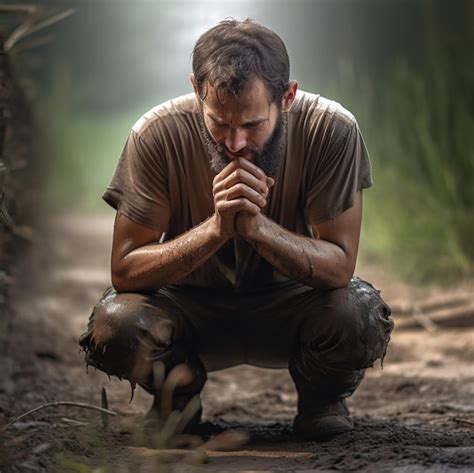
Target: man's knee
(119, 316)
(124, 331)
(350, 327)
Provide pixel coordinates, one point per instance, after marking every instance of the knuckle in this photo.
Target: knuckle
(229, 194)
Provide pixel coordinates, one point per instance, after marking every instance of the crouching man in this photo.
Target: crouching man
(235, 241)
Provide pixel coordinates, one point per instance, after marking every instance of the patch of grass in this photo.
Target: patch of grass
(417, 123)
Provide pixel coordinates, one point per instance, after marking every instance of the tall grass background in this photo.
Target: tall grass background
(418, 124)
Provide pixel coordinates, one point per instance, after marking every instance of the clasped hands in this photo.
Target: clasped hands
(240, 193)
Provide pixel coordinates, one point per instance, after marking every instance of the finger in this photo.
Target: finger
(241, 190)
(242, 164)
(237, 205)
(229, 169)
(242, 176)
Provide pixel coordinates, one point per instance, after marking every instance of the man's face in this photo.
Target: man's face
(251, 127)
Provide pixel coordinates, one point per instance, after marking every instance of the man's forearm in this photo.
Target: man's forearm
(317, 263)
(156, 265)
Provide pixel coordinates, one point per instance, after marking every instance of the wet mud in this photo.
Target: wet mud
(416, 414)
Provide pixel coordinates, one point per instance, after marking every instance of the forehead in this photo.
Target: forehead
(252, 102)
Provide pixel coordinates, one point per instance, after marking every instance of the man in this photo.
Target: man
(236, 235)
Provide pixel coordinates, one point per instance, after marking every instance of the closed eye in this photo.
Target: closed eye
(220, 125)
(252, 125)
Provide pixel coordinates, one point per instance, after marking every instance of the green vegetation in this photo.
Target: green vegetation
(418, 125)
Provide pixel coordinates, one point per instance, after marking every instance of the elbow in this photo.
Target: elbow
(344, 271)
(126, 278)
(335, 282)
(344, 275)
(339, 278)
(343, 281)
(121, 280)
(120, 283)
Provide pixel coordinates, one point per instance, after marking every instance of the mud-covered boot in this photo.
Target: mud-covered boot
(323, 422)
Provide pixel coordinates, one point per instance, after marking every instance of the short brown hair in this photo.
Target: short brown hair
(233, 52)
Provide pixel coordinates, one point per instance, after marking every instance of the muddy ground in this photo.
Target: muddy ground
(417, 414)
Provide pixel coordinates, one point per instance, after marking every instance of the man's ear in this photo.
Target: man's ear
(193, 81)
(289, 96)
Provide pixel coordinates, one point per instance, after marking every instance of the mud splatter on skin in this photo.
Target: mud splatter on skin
(171, 261)
(309, 261)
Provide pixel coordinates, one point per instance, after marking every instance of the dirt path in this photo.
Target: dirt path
(415, 415)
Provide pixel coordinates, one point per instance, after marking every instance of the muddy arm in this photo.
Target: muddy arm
(140, 263)
(326, 261)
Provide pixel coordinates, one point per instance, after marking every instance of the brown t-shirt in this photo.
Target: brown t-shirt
(163, 180)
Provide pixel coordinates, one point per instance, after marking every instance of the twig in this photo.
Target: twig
(34, 43)
(105, 405)
(19, 32)
(56, 404)
(455, 317)
(463, 421)
(17, 8)
(224, 441)
(431, 304)
(28, 27)
(74, 422)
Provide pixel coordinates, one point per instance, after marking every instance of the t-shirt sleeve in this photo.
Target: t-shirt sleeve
(341, 168)
(139, 187)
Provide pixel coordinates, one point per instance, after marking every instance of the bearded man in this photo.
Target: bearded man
(236, 235)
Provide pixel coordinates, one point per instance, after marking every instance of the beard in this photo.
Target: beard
(268, 159)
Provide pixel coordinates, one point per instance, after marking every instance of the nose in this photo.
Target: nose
(236, 139)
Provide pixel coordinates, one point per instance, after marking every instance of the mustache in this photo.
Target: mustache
(241, 152)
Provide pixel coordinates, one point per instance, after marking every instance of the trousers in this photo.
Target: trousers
(325, 338)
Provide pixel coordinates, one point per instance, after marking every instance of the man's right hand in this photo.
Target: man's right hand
(140, 263)
(240, 187)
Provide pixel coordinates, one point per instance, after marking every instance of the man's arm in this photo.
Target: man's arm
(141, 263)
(325, 261)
